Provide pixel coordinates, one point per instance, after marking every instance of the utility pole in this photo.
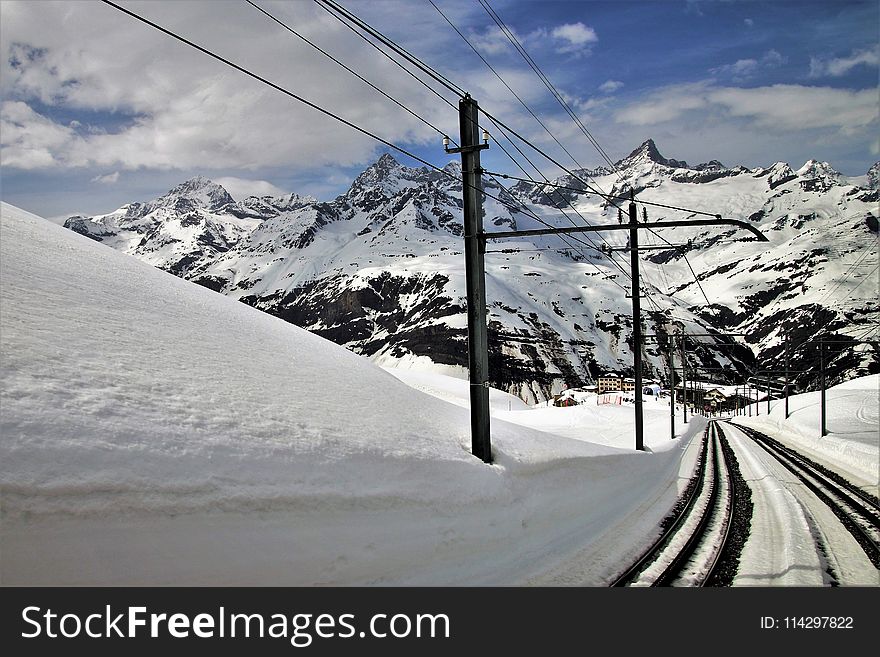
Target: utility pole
(684, 382)
(786, 374)
(637, 319)
(758, 393)
(477, 379)
(671, 388)
(824, 431)
(475, 275)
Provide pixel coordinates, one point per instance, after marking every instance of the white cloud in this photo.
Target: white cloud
(795, 107)
(743, 69)
(573, 37)
(666, 104)
(107, 179)
(241, 188)
(776, 108)
(610, 86)
(839, 66)
(135, 99)
(491, 42)
(749, 22)
(29, 140)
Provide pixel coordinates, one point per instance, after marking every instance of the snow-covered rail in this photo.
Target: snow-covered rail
(858, 511)
(694, 544)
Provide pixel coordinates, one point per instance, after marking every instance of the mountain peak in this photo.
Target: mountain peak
(817, 169)
(648, 152)
(200, 191)
(387, 160)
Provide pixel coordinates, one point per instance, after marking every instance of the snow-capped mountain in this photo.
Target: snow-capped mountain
(380, 269)
(815, 280)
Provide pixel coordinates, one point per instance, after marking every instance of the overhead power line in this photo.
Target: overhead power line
(269, 83)
(546, 129)
(511, 36)
(610, 197)
(354, 30)
(400, 50)
(504, 82)
(289, 93)
(346, 67)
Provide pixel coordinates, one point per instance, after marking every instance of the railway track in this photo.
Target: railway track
(693, 544)
(857, 510)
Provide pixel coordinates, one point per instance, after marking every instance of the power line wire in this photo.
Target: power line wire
(346, 67)
(511, 36)
(386, 55)
(292, 95)
(495, 72)
(400, 50)
(504, 82)
(611, 197)
(269, 83)
(423, 66)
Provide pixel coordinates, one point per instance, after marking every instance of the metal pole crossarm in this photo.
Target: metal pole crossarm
(845, 341)
(467, 149)
(616, 249)
(760, 237)
(689, 335)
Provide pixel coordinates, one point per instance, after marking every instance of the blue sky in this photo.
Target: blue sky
(99, 110)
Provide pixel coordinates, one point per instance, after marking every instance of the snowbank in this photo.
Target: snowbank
(852, 418)
(154, 432)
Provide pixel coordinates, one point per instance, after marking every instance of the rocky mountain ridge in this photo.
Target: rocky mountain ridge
(379, 268)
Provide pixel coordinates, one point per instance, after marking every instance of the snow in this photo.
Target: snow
(852, 445)
(153, 432)
(795, 538)
(156, 433)
(780, 540)
(454, 390)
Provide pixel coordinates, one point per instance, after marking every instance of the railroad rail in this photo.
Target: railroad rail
(693, 542)
(856, 509)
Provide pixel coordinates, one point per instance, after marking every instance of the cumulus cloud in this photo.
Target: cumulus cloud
(838, 66)
(29, 140)
(777, 107)
(610, 86)
(142, 101)
(491, 42)
(665, 104)
(743, 69)
(106, 179)
(749, 22)
(573, 37)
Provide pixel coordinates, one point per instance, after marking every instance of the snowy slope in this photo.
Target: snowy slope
(852, 420)
(153, 432)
